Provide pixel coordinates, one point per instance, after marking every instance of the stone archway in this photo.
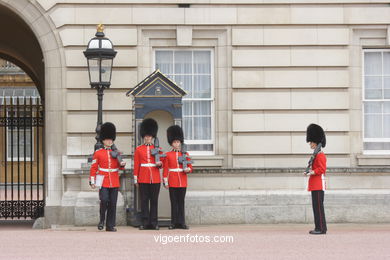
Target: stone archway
(34, 45)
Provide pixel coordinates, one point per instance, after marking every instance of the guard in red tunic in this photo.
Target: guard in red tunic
(315, 136)
(104, 174)
(147, 174)
(176, 166)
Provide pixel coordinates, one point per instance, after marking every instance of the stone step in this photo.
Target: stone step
(285, 206)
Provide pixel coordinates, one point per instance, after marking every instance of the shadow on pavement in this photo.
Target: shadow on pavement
(16, 224)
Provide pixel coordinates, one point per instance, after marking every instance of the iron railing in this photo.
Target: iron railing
(22, 190)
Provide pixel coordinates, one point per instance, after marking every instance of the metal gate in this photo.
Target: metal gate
(22, 190)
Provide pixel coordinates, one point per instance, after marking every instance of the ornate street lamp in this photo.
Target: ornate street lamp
(100, 54)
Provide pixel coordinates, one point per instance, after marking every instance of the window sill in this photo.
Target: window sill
(373, 160)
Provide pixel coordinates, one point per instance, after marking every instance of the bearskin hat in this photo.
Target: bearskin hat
(315, 134)
(148, 127)
(174, 132)
(107, 131)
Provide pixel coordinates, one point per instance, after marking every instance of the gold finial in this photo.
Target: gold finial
(100, 28)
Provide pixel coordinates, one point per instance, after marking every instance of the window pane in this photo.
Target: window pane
(386, 126)
(372, 107)
(185, 82)
(202, 86)
(200, 147)
(373, 87)
(30, 92)
(373, 126)
(183, 62)
(164, 61)
(202, 108)
(202, 128)
(386, 63)
(376, 146)
(13, 144)
(8, 92)
(187, 128)
(372, 63)
(386, 107)
(373, 82)
(373, 94)
(386, 87)
(187, 108)
(19, 92)
(202, 62)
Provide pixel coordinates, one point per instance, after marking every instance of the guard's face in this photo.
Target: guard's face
(148, 139)
(313, 145)
(107, 142)
(176, 144)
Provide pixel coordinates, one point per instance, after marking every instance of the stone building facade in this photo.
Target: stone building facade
(258, 73)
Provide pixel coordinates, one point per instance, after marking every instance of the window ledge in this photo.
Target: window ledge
(373, 160)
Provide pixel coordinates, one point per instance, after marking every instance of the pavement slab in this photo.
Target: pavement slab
(283, 241)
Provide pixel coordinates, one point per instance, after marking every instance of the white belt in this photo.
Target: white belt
(176, 170)
(108, 170)
(148, 165)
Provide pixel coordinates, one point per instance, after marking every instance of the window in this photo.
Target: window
(20, 134)
(193, 71)
(376, 102)
(19, 137)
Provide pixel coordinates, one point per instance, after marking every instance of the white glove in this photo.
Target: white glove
(310, 173)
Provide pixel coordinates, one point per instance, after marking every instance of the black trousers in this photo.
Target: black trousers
(149, 196)
(317, 198)
(108, 198)
(177, 196)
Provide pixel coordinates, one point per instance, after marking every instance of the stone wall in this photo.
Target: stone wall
(249, 196)
(278, 67)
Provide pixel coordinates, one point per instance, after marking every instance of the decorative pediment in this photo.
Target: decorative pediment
(157, 85)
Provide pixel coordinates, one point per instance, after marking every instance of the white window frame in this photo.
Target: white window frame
(371, 152)
(212, 98)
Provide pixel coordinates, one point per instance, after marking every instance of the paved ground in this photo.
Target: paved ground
(343, 241)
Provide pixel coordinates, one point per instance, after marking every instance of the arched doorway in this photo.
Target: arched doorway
(21, 155)
(30, 42)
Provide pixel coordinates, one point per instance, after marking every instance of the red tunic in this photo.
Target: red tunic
(104, 164)
(143, 173)
(317, 181)
(176, 179)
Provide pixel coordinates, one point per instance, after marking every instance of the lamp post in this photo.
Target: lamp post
(100, 54)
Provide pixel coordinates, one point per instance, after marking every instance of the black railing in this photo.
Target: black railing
(21, 173)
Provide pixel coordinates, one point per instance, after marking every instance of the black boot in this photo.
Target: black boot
(182, 226)
(155, 227)
(142, 227)
(100, 225)
(317, 232)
